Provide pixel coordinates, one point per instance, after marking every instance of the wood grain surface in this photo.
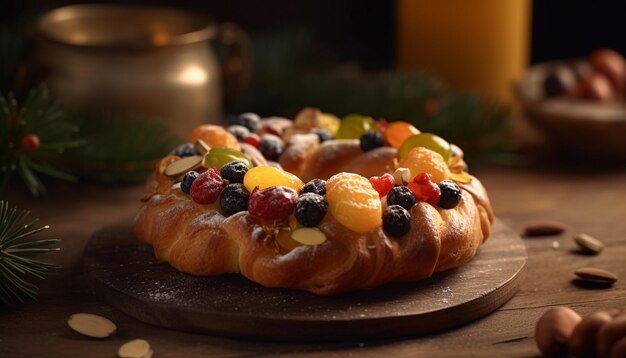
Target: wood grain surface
(126, 273)
(585, 199)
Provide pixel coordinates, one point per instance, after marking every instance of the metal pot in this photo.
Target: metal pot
(138, 59)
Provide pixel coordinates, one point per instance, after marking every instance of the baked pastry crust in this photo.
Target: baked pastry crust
(200, 240)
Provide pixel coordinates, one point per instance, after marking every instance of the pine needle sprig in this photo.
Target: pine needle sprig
(40, 116)
(16, 267)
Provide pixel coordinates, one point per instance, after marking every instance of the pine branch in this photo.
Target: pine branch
(15, 268)
(41, 118)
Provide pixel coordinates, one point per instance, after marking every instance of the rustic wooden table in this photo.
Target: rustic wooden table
(591, 201)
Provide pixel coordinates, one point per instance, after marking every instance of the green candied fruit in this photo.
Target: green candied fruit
(218, 157)
(428, 141)
(353, 126)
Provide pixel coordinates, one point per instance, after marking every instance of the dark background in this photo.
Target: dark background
(362, 30)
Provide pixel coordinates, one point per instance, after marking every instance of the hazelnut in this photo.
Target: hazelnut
(554, 329)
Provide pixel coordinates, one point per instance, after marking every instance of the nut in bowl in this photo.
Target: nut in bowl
(579, 104)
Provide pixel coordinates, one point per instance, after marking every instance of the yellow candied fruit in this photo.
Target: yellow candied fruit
(354, 202)
(215, 136)
(265, 177)
(423, 160)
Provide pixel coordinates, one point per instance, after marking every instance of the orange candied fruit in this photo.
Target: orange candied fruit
(354, 202)
(397, 132)
(215, 136)
(423, 160)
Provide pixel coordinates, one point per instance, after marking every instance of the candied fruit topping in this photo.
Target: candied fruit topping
(234, 198)
(397, 132)
(450, 194)
(401, 195)
(273, 203)
(317, 186)
(207, 187)
(219, 157)
(354, 202)
(215, 136)
(271, 146)
(266, 176)
(185, 150)
(371, 140)
(383, 184)
(188, 179)
(396, 220)
(234, 171)
(353, 126)
(322, 134)
(253, 139)
(251, 121)
(423, 160)
(310, 209)
(424, 189)
(240, 132)
(426, 140)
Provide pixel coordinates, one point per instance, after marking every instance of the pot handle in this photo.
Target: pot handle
(237, 66)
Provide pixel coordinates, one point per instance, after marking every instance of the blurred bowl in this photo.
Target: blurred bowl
(582, 126)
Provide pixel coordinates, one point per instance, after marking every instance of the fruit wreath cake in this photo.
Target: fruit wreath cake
(317, 203)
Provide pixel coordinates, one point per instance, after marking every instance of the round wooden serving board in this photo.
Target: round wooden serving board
(126, 274)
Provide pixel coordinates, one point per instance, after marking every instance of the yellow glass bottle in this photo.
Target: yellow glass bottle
(478, 45)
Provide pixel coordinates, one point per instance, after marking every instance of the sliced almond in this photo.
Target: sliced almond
(183, 165)
(91, 325)
(202, 147)
(283, 238)
(309, 236)
(402, 176)
(588, 243)
(137, 348)
(596, 275)
(544, 229)
(149, 354)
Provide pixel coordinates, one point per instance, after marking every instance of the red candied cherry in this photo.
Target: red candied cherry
(424, 189)
(30, 142)
(273, 203)
(383, 184)
(253, 139)
(207, 187)
(273, 129)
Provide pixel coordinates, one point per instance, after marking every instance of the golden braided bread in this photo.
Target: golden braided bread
(200, 240)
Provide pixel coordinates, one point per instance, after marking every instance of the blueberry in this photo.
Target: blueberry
(184, 150)
(450, 194)
(234, 172)
(316, 186)
(239, 131)
(271, 146)
(401, 195)
(310, 209)
(188, 179)
(370, 140)
(396, 220)
(322, 134)
(252, 121)
(234, 198)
